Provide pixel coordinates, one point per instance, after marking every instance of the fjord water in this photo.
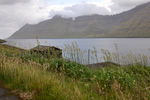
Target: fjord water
(125, 45)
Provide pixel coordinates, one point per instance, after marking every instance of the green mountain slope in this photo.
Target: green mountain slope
(136, 26)
(133, 23)
(58, 27)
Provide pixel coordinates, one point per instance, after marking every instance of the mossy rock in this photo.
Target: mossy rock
(103, 64)
(2, 41)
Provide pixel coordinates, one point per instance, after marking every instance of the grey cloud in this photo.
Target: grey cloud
(124, 3)
(119, 6)
(10, 2)
(87, 9)
(13, 17)
(81, 9)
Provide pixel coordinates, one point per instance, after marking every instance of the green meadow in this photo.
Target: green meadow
(35, 77)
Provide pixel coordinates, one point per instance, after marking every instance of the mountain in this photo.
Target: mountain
(137, 26)
(132, 23)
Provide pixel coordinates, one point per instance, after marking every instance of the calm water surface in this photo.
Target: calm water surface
(125, 45)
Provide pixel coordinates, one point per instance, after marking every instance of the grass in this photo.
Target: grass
(39, 78)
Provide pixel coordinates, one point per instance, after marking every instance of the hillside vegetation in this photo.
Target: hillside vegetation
(38, 78)
(132, 23)
(137, 26)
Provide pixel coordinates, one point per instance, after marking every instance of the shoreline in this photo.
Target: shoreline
(84, 38)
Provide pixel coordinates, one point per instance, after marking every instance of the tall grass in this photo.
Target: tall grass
(74, 53)
(59, 79)
(31, 77)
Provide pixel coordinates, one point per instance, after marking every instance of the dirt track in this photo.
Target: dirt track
(7, 95)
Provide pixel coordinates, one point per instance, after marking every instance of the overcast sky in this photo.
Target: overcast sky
(16, 13)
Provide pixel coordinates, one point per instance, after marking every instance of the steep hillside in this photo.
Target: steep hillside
(58, 27)
(136, 26)
(133, 23)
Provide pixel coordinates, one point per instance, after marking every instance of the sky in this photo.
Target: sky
(14, 14)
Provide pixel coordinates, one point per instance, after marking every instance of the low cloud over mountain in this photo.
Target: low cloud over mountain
(132, 23)
(16, 13)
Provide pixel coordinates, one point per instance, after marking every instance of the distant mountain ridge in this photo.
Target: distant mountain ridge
(132, 23)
